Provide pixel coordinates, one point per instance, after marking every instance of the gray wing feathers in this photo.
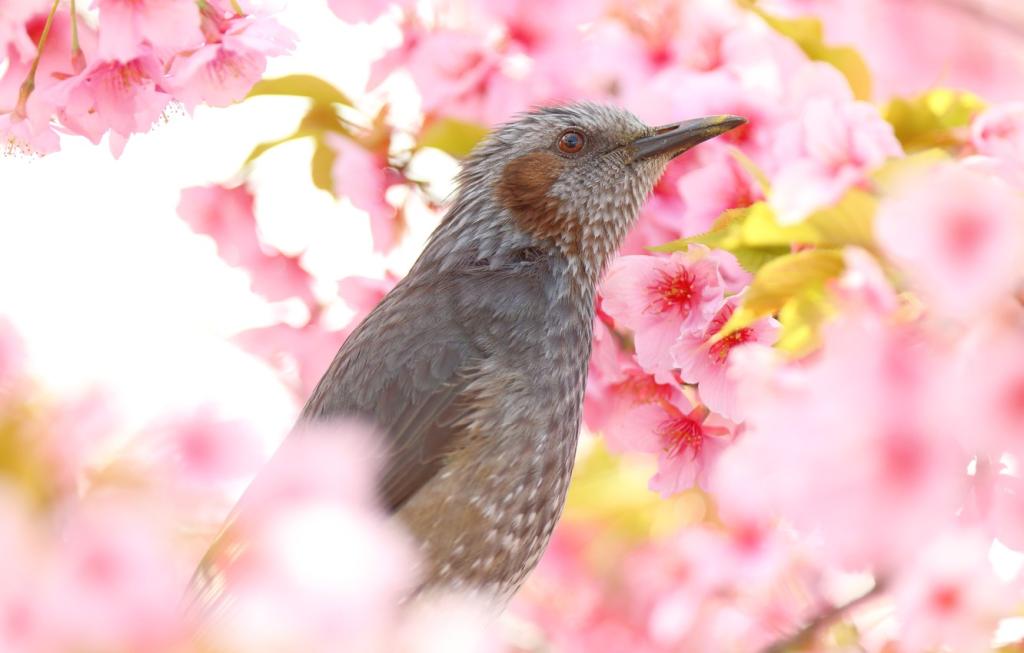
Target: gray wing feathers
(406, 369)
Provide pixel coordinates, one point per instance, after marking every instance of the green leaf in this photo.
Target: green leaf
(808, 34)
(933, 119)
(321, 165)
(779, 281)
(456, 137)
(801, 318)
(849, 222)
(895, 172)
(753, 259)
(309, 86)
(320, 119)
(752, 169)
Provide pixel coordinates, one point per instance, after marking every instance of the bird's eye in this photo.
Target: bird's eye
(571, 141)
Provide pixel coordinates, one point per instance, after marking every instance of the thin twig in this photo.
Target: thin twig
(823, 619)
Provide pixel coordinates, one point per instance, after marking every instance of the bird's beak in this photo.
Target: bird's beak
(676, 138)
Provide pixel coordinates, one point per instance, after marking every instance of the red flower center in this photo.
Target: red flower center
(720, 350)
(681, 433)
(1015, 400)
(945, 598)
(674, 292)
(965, 237)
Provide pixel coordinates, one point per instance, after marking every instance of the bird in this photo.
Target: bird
(473, 367)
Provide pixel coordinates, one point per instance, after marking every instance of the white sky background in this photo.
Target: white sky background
(109, 285)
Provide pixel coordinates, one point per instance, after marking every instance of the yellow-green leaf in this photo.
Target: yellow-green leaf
(753, 259)
(808, 34)
(849, 222)
(895, 172)
(320, 119)
(456, 137)
(801, 318)
(309, 86)
(936, 118)
(781, 280)
(612, 490)
(321, 165)
(752, 169)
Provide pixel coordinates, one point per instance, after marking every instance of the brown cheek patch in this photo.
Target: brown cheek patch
(523, 190)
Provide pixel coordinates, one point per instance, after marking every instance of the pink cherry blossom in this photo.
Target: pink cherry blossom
(363, 11)
(234, 58)
(712, 189)
(363, 177)
(301, 354)
(661, 299)
(879, 455)
(12, 354)
(167, 25)
(609, 367)
(999, 132)
(658, 419)
(995, 503)
(830, 148)
(958, 236)
(226, 215)
(14, 16)
(951, 596)
(113, 587)
(25, 626)
(122, 98)
(991, 354)
(203, 448)
(706, 363)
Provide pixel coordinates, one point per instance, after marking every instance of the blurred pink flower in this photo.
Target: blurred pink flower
(995, 503)
(991, 355)
(169, 26)
(363, 11)
(34, 134)
(14, 16)
(829, 149)
(315, 542)
(115, 583)
(608, 368)
(851, 443)
(234, 58)
(32, 130)
(363, 177)
(999, 132)
(302, 354)
(226, 215)
(122, 98)
(662, 298)
(25, 619)
(204, 449)
(12, 354)
(958, 235)
(707, 364)
(950, 596)
(713, 188)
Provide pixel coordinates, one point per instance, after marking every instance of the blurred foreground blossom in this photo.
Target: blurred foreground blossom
(310, 562)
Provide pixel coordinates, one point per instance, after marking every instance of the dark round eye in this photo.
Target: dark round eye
(571, 141)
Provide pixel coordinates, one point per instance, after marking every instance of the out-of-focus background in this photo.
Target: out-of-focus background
(174, 302)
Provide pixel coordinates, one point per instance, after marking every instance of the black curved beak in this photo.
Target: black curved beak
(676, 138)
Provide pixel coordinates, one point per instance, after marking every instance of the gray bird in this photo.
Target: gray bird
(473, 367)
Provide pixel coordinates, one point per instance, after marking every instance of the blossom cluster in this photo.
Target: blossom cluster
(103, 529)
(118, 70)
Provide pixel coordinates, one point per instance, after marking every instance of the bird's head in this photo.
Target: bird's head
(574, 177)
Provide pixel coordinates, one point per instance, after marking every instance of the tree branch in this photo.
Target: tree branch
(823, 619)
